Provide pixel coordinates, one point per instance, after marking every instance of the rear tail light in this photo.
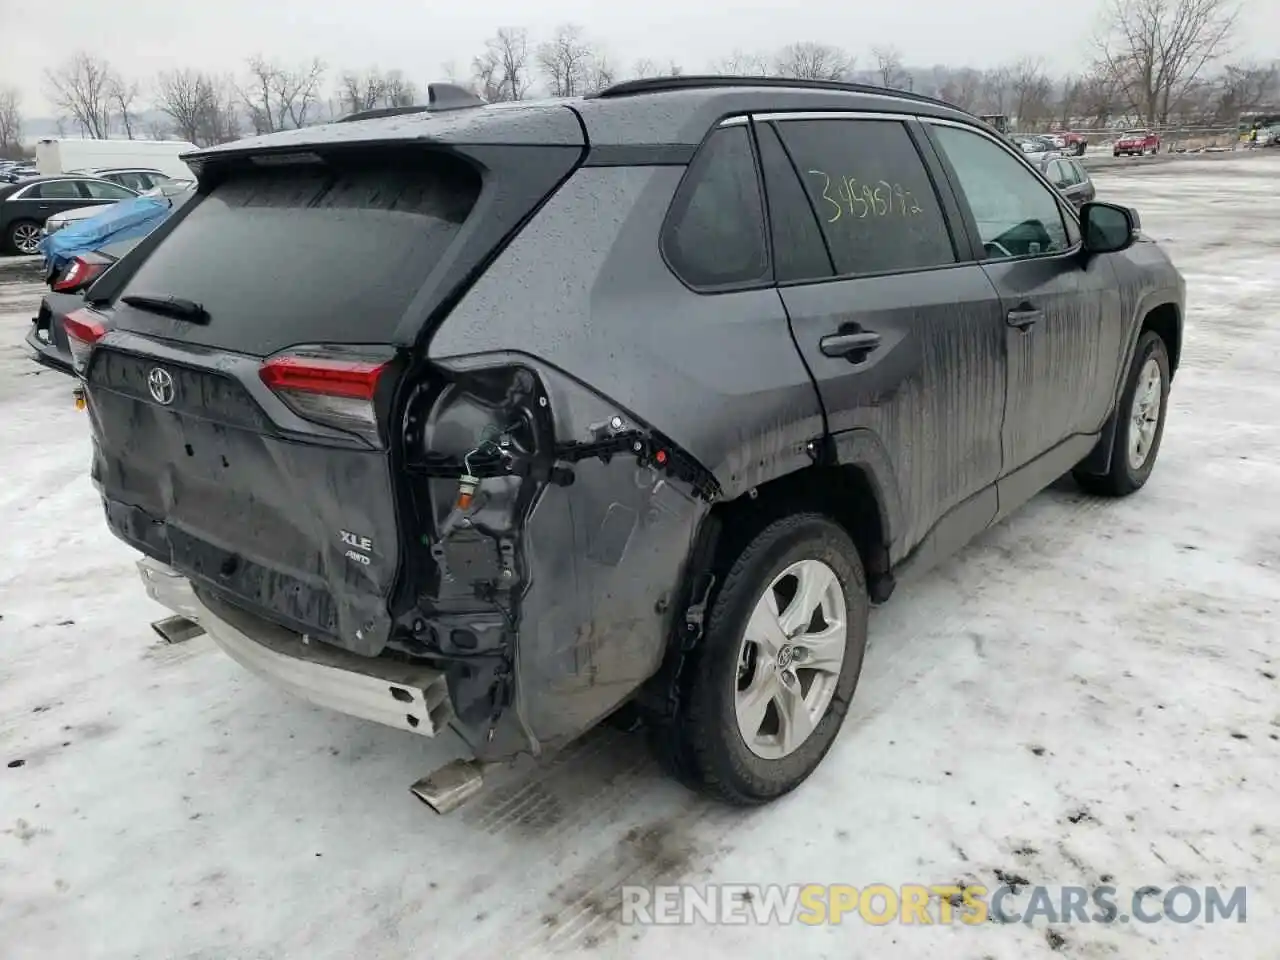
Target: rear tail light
(336, 392)
(84, 329)
(79, 273)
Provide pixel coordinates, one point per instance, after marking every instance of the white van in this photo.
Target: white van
(64, 155)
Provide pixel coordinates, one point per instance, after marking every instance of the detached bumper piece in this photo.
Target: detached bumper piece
(400, 695)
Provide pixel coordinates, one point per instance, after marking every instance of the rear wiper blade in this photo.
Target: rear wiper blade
(175, 307)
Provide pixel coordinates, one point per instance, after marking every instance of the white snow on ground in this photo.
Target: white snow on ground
(1116, 660)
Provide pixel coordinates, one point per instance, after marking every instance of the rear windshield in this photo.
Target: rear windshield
(317, 253)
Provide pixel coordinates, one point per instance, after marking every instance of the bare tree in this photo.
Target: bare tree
(121, 95)
(81, 88)
(279, 97)
(10, 122)
(995, 93)
(1099, 97)
(963, 88)
(600, 74)
(1242, 88)
(399, 90)
(1032, 92)
(201, 106)
(566, 61)
(888, 65)
(358, 92)
(374, 89)
(1155, 50)
(184, 96)
(742, 64)
(505, 65)
(485, 72)
(809, 60)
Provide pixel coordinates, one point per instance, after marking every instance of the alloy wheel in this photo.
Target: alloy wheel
(790, 659)
(26, 237)
(1144, 415)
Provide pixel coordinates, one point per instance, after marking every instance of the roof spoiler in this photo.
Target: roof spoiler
(440, 98)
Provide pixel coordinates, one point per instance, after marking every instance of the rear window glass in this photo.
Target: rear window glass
(325, 253)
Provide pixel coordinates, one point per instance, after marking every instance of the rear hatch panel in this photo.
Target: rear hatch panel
(357, 253)
(218, 485)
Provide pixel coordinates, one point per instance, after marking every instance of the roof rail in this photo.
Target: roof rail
(707, 81)
(440, 98)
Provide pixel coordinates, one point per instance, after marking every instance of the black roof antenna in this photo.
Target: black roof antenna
(441, 97)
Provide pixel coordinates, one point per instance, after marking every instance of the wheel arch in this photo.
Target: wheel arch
(857, 493)
(1160, 312)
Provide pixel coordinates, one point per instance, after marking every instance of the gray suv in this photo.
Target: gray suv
(509, 418)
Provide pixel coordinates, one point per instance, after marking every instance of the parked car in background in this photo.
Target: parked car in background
(1035, 148)
(74, 267)
(26, 206)
(1267, 137)
(1073, 144)
(1071, 179)
(1136, 143)
(165, 185)
(19, 172)
(492, 466)
(140, 179)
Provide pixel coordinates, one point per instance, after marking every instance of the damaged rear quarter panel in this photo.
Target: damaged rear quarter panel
(601, 558)
(584, 294)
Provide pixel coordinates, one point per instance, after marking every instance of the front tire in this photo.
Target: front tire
(1140, 428)
(763, 696)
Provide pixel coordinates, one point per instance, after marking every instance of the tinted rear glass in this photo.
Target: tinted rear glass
(327, 253)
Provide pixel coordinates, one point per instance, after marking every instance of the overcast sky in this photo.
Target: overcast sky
(141, 37)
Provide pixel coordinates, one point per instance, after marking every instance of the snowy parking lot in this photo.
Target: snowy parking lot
(1086, 695)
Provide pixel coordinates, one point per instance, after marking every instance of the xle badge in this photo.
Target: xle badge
(358, 546)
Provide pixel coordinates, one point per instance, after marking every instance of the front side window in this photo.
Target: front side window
(714, 235)
(1017, 215)
(874, 199)
(102, 190)
(134, 181)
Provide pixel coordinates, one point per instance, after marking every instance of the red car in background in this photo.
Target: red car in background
(1136, 143)
(1074, 143)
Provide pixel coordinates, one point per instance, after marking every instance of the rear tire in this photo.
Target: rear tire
(728, 675)
(1137, 437)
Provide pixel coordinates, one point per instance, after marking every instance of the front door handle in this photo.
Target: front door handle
(1024, 316)
(854, 347)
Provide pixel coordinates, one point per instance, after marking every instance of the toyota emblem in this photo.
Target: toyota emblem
(160, 383)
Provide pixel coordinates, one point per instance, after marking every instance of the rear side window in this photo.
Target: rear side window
(874, 198)
(323, 253)
(714, 234)
(799, 252)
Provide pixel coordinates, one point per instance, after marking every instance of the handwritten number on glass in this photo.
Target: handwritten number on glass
(883, 199)
(826, 187)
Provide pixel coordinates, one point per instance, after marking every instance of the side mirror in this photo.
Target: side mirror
(1108, 227)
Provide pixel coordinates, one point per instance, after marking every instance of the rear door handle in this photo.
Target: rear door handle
(854, 347)
(1024, 316)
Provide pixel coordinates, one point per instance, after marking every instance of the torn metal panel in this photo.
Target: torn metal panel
(559, 528)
